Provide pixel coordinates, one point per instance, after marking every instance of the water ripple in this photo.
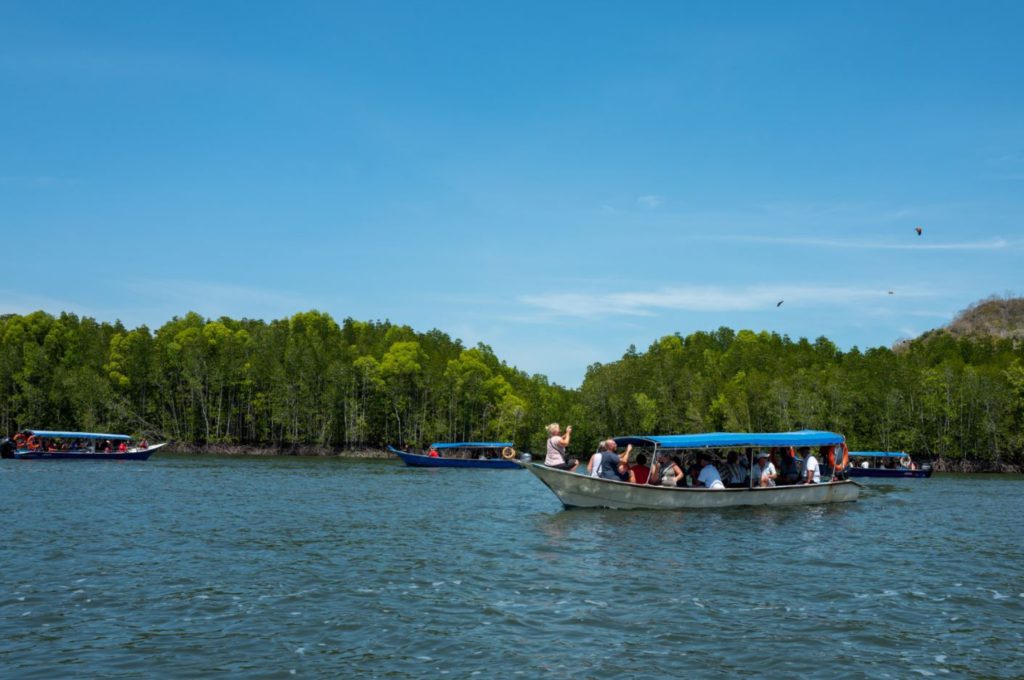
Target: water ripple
(284, 567)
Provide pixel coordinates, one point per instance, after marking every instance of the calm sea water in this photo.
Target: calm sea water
(182, 566)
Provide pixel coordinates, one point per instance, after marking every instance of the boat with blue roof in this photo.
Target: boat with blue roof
(61, 445)
(887, 464)
(489, 455)
(577, 490)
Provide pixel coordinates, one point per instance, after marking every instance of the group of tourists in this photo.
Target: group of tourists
(32, 442)
(774, 467)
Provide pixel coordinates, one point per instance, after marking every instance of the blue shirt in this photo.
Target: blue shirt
(610, 466)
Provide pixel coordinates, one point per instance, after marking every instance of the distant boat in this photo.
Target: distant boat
(55, 445)
(581, 491)
(876, 464)
(493, 455)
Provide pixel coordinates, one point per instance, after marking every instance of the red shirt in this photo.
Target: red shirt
(433, 454)
(641, 472)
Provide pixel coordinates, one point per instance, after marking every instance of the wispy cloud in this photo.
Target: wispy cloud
(697, 299)
(650, 201)
(917, 243)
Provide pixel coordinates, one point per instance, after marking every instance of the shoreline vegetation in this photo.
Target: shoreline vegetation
(307, 385)
(296, 450)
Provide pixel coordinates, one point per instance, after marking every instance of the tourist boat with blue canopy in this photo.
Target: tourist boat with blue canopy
(887, 464)
(576, 490)
(60, 445)
(492, 455)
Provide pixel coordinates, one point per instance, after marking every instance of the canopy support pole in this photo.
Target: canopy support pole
(750, 468)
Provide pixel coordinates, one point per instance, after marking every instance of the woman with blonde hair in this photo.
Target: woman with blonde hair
(557, 442)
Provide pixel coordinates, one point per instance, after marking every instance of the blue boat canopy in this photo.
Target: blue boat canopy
(724, 440)
(470, 445)
(878, 454)
(52, 434)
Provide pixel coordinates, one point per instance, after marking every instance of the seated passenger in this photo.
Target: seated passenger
(813, 469)
(641, 472)
(144, 444)
(764, 471)
(122, 448)
(789, 472)
(708, 476)
(668, 472)
(693, 475)
(433, 453)
(735, 474)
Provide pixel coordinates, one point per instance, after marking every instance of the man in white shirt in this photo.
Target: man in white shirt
(813, 475)
(709, 477)
(765, 470)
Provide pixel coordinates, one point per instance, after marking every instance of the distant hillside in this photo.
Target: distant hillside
(995, 316)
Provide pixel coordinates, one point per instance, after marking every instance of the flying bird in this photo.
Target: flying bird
(890, 292)
(779, 303)
(918, 230)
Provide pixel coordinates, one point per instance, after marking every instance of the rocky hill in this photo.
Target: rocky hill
(1001, 317)
(995, 316)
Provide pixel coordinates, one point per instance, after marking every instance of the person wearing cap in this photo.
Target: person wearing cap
(708, 476)
(765, 470)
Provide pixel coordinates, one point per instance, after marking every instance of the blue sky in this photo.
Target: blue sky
(558, 180)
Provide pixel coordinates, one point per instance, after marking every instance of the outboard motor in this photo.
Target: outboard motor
(525, 457)
(7, 448)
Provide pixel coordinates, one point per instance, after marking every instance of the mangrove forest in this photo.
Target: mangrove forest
(308, 383)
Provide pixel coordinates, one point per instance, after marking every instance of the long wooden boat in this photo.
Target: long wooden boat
(494, 456)
(35, 445)
(903, 465)
(579, 491)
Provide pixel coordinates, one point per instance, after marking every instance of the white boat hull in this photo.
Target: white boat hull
(579, 491)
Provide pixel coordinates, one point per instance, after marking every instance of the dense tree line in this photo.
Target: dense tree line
(308, 381)
(300, 381)
(940, 396)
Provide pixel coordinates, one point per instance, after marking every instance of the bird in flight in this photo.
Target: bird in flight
(918, 230)
(890, 292)
(779, 303)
